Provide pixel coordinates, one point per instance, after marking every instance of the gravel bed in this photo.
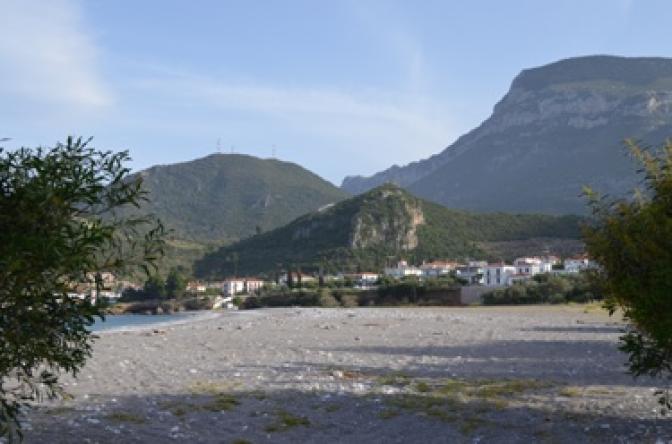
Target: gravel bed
(366, 375)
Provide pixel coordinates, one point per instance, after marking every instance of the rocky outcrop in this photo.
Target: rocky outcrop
(559, 127)
(396, 228)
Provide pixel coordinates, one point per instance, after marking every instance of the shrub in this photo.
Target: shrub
(326, 299)
(349, 300)
(631, 239)
(60, 225)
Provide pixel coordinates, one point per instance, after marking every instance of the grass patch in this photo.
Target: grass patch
(507, 388)
(216, 403)
(285, 421)
(395, 379)
(220, 403)
(459, 401)
(126, 417)
(423, 387)
(211, 388)
(570, 392)
(388, 414)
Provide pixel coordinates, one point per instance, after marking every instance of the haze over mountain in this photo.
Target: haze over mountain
(380, 226)
(224, 197)
(560, 127)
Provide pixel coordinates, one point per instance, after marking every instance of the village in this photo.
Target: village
(474, 277)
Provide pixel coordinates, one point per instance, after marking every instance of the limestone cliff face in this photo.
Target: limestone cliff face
(386, 218)
(392, 225)
(559, 127)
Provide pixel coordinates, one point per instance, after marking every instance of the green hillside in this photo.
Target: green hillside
(379, 226)
(222, 198)
(225, 197)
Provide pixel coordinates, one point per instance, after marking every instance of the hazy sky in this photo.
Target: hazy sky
(340, 87)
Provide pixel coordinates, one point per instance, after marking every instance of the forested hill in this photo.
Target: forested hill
(226, 197)
(382, 225)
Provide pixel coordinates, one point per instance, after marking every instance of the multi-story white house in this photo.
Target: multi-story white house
(473, 272)
(438, 268)
(234, 286)
(402, 270)
(253, 284)
(499, 275)
(528, 266)
(535, 265)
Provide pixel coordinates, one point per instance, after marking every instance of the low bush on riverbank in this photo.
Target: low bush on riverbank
(389, 294)
(162, 306)
(546, 289)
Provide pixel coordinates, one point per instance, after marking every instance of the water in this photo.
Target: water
(128, 322)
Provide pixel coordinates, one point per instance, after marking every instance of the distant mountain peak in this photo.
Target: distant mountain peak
(638, 71)
(561, 126)
(223, 197)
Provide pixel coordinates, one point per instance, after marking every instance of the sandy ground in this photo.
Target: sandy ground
(388, 375)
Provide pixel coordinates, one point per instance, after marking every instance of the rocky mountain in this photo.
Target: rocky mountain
(225, 197)
(382, 225)
(560, 127)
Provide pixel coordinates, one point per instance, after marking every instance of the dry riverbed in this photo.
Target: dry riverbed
(505, 374)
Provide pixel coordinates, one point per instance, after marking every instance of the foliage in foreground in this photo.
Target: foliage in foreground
(546, 289)
(59, 226)
(632, 241)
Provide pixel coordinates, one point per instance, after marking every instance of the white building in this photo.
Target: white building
(499, 275)
(578, 264)
(473, 272)
(402, 270)
(234, 286)
(438, 268)
(196, 287)
(529, 266)
(363, 279)
(253, 284)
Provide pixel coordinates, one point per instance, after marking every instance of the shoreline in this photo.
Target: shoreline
(187, 318)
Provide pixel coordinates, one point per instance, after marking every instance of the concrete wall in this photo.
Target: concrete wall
(472, 294)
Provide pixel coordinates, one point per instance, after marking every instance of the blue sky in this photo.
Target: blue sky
(340, 87)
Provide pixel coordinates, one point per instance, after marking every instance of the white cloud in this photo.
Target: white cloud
(47, 54)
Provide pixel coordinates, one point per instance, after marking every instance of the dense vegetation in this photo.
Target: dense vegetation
(226, 197)
(546, 289)
(53, 236)
(632, 241)
(223, 198)
(367, 231)
(433, 292)
(174, 286)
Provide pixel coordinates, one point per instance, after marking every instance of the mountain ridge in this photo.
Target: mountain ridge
(559, 127)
